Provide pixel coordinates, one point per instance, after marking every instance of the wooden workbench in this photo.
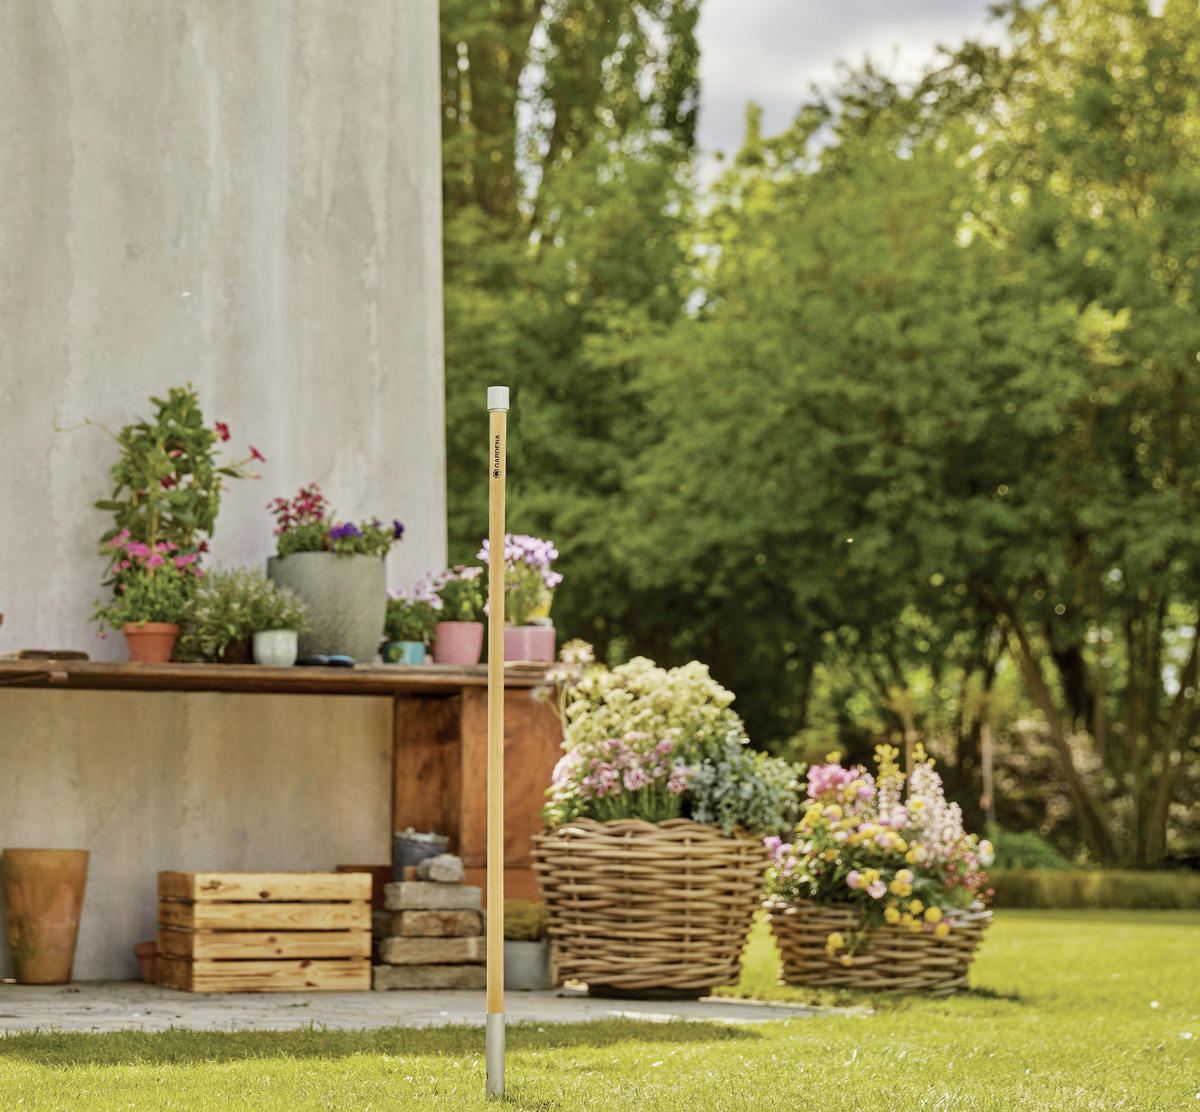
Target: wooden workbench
(439, 737)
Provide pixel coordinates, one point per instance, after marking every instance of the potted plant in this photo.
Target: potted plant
(527, 965)
(231, 608)
(409, 622)
(878, 888)
(655, 818)
(458, 636)
(529, 583)
(152, 587)
(337, 568)
(168, 483)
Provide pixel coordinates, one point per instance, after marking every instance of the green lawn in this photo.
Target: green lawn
(1071, 1010)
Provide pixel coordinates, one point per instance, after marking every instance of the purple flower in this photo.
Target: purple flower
(345, 531)
(397, 529)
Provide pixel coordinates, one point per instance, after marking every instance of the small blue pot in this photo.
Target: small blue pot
(404, 652)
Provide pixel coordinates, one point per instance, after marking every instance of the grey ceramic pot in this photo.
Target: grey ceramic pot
(347, 601)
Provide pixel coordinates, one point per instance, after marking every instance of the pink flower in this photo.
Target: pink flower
(222, 430)
(877, 889)
(256, 454)
(154, 560)
(853, 879)
(635, 778)
(137, 548)
(183, 561)
(125, 564)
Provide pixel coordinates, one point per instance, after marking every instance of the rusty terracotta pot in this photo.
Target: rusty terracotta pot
(43, 892)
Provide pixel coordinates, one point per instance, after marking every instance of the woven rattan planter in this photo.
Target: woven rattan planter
(640, 906)
(891, 958)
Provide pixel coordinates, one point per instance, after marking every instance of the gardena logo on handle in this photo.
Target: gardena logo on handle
(496, 459)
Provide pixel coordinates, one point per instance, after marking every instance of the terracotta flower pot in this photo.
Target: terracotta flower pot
(457, 642)
(43, 891)
(147, 953)
(150, 642)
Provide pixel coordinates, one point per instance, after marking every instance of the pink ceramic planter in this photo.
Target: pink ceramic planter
(457, 642)
(529, 643)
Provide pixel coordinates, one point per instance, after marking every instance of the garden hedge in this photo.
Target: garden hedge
(1111, 888)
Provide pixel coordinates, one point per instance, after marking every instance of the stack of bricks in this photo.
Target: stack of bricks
(431, 935)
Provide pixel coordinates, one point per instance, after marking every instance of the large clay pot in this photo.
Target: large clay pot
(150, 642)
(43, 892)
(457, 642)
(347, 601)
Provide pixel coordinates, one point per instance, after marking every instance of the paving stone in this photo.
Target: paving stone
(428, 976)
(428, 895)
(436, 924)
(446, 868)
(431, 951)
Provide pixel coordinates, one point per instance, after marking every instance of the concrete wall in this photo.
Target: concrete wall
(200, 780)
(244, 196)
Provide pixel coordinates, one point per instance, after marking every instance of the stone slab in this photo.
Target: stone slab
(429, 976)
(445, 868)
(428, 895)
(431, 951)
(436, 924)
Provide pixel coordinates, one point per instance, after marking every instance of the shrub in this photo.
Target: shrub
(1095, 888)
(525, 920)
(1025, 849)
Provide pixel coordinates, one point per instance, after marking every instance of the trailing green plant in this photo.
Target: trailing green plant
(306, 524)
(647, 742)
(231, 605)
(525, 920)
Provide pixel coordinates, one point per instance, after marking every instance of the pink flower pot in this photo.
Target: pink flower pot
(457, 642)
(529, 643)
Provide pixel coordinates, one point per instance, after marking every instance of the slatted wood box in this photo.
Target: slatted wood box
(264, 932)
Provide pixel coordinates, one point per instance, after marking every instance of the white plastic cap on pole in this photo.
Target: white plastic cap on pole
(497, 398)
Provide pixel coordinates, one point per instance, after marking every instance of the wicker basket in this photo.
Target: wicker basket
(891, 958)
(640, 906)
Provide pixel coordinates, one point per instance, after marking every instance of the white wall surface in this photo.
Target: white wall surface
(149, 780)
(243, 196)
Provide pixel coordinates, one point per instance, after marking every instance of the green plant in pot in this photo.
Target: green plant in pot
(408, 623)
(458, 635)
(529, 583)
(232, 609)
(527, 959)
(337, 568)
(166, 494)
(153, 587)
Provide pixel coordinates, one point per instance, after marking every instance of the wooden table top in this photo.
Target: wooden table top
(362, 679)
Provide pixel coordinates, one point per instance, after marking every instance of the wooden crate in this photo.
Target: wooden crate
(264, 932)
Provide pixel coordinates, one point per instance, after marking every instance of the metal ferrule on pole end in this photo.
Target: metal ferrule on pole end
(494, 1054)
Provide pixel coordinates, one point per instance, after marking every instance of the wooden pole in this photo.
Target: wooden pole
(494, 1036)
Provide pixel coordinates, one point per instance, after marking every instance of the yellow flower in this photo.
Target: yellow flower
(916, 804)
(900, 844)
(847, 959)
(891, 914)
(911, 857)
(830, 855)
(899, 888)
(915, 925)
(907, 920)
(916, 907)
(941, 930)
(835, 941)
(933, 915)
(905, 876)
(833, 811)
(834, 757)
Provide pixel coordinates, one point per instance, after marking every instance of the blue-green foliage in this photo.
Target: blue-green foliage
(737, 786)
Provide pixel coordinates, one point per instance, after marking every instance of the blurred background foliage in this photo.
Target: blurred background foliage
(894, 425)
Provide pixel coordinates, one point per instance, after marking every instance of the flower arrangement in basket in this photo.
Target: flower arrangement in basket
(878, 889)
(655, 812)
